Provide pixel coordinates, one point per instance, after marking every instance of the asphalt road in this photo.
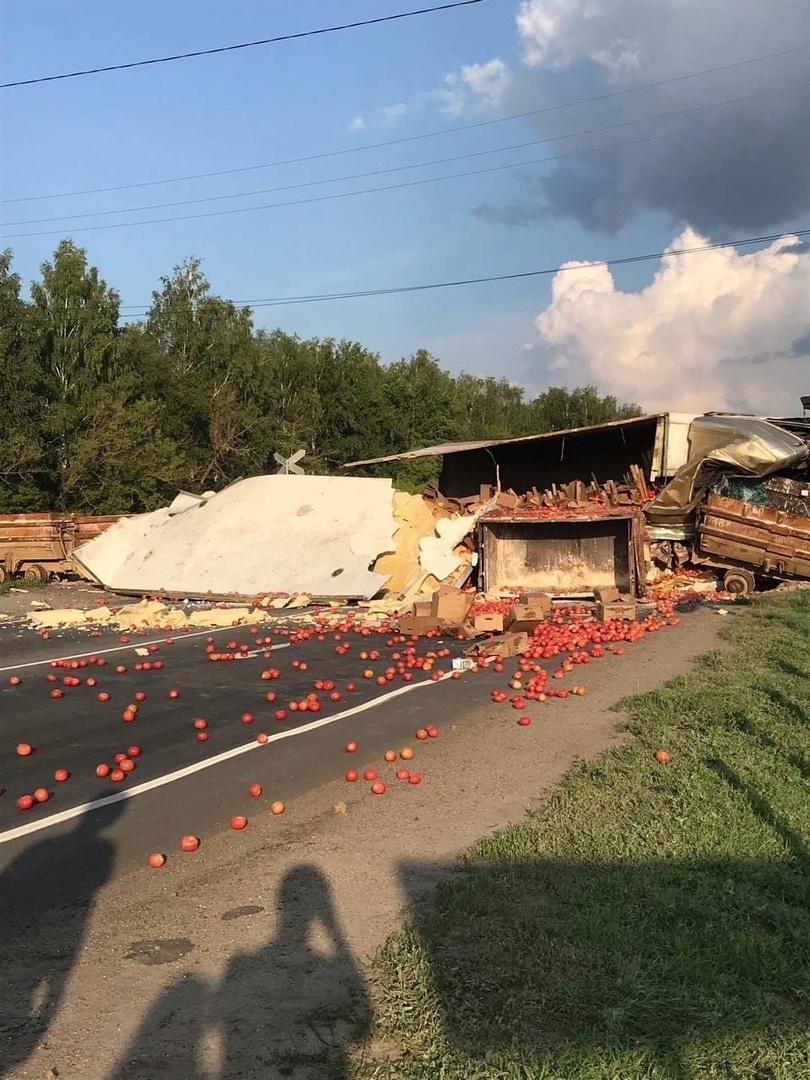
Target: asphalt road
(181, 785)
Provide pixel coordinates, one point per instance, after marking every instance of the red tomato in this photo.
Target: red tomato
(238, 822)
(189, 843)
(255, 791)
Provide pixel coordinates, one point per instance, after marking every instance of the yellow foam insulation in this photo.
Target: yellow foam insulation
(416, 520)
(147, 613)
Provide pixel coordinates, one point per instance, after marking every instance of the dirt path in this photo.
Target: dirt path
(235, 963)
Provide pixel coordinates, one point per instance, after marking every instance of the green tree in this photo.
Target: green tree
(489, 408)
(558, 408)
(75, 318)
(23, 479)
(211, 361)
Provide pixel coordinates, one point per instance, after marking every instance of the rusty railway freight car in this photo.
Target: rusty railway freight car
(37, 546)
(753, 540)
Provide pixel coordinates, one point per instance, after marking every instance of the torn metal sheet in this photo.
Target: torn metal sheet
(730, 445)
(315, 535)
(443, 449)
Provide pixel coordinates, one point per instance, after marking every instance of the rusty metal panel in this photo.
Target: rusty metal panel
(767, 540)
(46, 537)
(560, 555)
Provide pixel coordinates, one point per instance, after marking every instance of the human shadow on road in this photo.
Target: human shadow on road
(287, 1010)
(46, 899)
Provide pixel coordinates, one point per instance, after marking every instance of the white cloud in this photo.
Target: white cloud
(357, 124)
(392, 114)
(473, 86)
(716, 330)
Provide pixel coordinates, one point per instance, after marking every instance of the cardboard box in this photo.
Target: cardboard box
(606, 594)
(493, 622)
(506, 645)
(539, 601)
(623, 608)
(451, 605)
(417, 624)
(422, 608)
(526, 617)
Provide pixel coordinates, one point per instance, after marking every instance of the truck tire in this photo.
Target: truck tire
(739, 582)
(35, 572)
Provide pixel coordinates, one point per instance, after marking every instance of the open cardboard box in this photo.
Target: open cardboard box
(506, 645)
(493, 622)
(451, 606)
(417, 624)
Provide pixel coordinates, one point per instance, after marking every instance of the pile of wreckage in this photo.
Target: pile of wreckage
(595, 514)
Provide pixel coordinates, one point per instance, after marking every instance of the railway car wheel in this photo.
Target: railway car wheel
(739, 582)
(37, 573)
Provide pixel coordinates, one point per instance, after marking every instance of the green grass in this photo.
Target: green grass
(651, 921)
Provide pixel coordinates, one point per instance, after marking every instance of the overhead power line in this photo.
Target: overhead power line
(242, 45)
(340, 195)
(282, 301)
(411, 138)
(405, 168)
(337, 195)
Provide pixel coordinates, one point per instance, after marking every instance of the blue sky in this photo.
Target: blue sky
(302, 98)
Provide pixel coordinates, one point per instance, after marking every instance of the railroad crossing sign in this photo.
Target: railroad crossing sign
(289, 465)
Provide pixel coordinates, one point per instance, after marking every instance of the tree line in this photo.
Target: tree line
(108, 417)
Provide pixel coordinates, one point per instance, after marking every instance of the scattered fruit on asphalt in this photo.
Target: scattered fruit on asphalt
(378, 788)
(156, 859)
(238, 822)
(277, 808)
(352, 775)
(255, 791)
(60, 775)
(189, 842)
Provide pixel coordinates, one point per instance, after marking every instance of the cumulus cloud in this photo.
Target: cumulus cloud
(472, 86)
(357, 124)
(742, 165)
(720, 330)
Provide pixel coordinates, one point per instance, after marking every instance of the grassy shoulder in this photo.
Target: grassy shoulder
(651, 921)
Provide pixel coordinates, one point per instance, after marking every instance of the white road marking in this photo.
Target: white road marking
(121, 648)
(189, 770)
